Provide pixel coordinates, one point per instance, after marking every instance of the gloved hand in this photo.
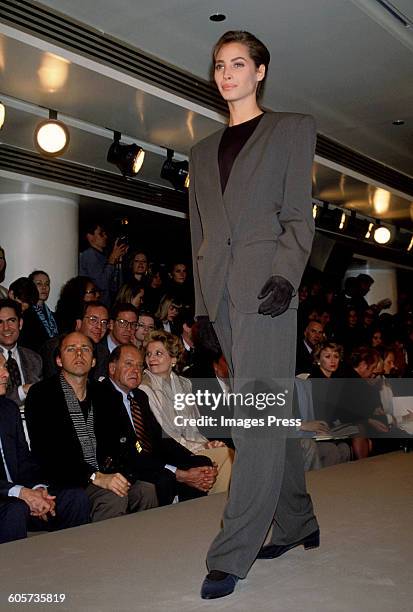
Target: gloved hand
(280, 292)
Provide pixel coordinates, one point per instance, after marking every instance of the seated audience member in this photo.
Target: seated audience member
(168, 315)
(179, 287)
(3, 264)
(24, 291)
(313, 335)
(155, 288)
(138, 267)
(122, 327)
(132, 292)
(162, 386)
(135, 443)
(93, 324)
(376, 339)
(348, 331)
(188, 359)
(99, 267)
(73, 296)
(24, 365)
(62, 423)
(25, 501)
(146, 325)
(39, 322)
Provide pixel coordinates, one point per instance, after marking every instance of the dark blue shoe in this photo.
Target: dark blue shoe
(272, 551)
(218, 584)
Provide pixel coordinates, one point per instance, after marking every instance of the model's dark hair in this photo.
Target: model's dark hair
(257, 50)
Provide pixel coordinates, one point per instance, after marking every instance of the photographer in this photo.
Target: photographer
(102, 269)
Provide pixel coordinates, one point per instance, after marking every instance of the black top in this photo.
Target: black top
(232, 141)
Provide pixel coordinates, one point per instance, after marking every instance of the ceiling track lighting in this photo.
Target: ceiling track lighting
(176, 172)
(2, 114)
(382, 235)
(51, 137)
(128, 158)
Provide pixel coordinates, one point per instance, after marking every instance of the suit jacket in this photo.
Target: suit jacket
(262, 225)
(102, 354)
(54, 442)
(22, 468)
(117, 437)
(31, 364)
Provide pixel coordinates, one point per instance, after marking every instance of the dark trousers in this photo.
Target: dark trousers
(72, 509)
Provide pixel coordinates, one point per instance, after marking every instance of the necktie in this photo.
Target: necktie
(15, 379)
(144, 442)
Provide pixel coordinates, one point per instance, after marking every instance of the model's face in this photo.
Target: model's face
(235, 73)
(4, 375)
(158, 359)
(10, 327)
(42, 282)
(92, 293)
(145, 326)
(94, 324)
(76, 355)
(123, 329)
(329, 361)
(140, 264)
(127, 371)
(179, 273)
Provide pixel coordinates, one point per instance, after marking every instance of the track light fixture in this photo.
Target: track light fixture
(175, 172)
(51, 137)
(382, 235)
(128, 158)
(2, 114)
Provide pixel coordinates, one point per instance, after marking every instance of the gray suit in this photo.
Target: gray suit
(261, 225)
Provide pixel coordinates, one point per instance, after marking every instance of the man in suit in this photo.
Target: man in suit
(133, 441)
(252, 231)
(313, 335)
(123, 324)
(61, 421)
(24, 365)
(25, 503)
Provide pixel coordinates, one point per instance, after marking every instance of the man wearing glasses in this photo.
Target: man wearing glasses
(146, 325)
(94, 324)
(123, 323)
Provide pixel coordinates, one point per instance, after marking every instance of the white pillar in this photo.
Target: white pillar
(385, 281)
(40, 232)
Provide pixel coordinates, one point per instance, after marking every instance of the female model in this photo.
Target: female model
(252, 231)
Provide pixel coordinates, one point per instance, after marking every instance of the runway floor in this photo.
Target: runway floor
(154, 561)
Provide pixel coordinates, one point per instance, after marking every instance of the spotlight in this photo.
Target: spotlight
(343, 220)
(370, 229)
(382, 235)
(2, 114)
(51, 137)
(128, 158)
(410, 247)
(175, 172)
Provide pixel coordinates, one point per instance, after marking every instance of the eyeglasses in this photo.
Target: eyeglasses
(96, 321)
(146, 327)
(92, 291)
(126, 324)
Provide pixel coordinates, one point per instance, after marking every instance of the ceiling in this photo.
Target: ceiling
(347, 62)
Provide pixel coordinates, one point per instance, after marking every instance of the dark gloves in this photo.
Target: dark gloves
(280, 292)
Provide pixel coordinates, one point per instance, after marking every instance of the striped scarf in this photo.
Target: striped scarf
(46, 317)
(84, 430)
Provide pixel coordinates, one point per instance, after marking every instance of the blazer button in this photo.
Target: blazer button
(229, 242)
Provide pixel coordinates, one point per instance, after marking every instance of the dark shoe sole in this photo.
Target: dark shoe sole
(272, 551)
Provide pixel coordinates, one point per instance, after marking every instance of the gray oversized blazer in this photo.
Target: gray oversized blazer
(262, 224)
